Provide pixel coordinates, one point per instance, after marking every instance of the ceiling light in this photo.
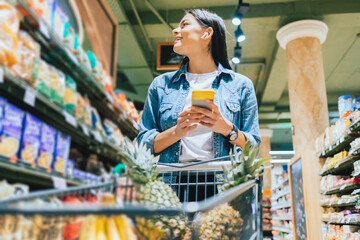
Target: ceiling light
(239, 35)
(237, 19)
(237, 54)
(241, 9)
(280, 160)
(282, 152)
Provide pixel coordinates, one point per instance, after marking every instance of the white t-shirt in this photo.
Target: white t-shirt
(198, 144)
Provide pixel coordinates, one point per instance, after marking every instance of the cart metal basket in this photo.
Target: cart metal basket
(195, 184)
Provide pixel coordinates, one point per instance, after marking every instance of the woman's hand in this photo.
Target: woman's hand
(213, 119)
(186, 122)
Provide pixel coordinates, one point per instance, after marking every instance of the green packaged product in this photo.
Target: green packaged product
(42, 83)
(57, 86)
(70, 96)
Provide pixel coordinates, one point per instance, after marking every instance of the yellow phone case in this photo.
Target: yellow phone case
(199, 98)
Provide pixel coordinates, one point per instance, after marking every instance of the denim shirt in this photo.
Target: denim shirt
(234, 95)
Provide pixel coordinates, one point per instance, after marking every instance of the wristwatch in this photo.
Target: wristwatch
(233, 135)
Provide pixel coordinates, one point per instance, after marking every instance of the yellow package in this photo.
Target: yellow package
(9, 29)
(80, 106)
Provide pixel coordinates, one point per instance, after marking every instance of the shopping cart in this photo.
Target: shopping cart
(195, 184)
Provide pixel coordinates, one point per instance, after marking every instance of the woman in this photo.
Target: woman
(178, 132)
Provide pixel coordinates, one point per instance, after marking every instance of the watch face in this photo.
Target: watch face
(233, 136)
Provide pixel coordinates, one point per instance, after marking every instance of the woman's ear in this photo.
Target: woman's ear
(210, 32)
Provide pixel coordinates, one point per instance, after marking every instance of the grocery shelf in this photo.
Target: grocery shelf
(282, 229)
(355, 126)
(341, 144)
(342, 167)
(280, 194)
(282, 217)
(355, 152)
(286, 204)
(280, 184)
(278, 238)
(25, 174)
(340, 203)
(342, 189)
(15, 89)
(342, 221)
(54, 50)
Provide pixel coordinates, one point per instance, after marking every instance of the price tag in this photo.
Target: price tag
(348, 220)
(44, 29)
(98, 137)
(355, 191)
(59, 183)
(72, 56)
(343, 187)
(30, 96)
(1, 75)
(85, 130)
(70, 119)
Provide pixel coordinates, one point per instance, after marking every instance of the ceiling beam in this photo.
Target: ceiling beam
(301, 8)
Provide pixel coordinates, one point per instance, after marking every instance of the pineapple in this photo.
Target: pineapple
(152, 192)
(225, 222)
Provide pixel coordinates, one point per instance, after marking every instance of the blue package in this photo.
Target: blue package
(30, 140)
(3, 102)
(61, 152)
(10, 134)
(47, 147)
(70, 168)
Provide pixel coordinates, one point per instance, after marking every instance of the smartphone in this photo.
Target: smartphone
(199, 98)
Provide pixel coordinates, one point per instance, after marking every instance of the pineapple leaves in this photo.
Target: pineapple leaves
(243, 166)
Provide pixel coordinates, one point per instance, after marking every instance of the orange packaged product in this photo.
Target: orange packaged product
(80, 107)
(123, 102)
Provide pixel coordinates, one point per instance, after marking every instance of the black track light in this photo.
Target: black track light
(237, 54)
(241, 9)
(239, 35)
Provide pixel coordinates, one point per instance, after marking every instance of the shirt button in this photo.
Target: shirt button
(177, 153)
(216, 153)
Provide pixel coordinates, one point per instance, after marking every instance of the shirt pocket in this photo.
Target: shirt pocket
(165, 115)
(233, 110)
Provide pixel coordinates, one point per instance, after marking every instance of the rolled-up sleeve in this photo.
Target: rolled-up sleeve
(249, 115)
(149, 126)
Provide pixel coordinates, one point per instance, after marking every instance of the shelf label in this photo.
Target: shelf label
(98, 137)
(85, 130)
(59, 183)
(342, 187)
(30, 96)
(44, 29)
(72, 56)
(69, 118)
(1, 75)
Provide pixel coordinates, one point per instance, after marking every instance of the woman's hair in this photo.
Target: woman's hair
(217, 45)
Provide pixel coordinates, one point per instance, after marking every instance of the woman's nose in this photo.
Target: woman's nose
(175, 31)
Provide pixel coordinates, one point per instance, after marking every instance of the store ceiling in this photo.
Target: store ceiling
(263, 61)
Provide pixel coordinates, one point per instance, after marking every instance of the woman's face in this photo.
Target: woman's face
(187, 36)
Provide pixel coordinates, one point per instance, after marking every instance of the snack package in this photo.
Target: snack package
(96, 66)
(70, 96)
(113, 132)
(10, 134)
(30, 140)
(3, 102)
(69, 36)
(58, 20)
(87, 112)
(80, 107)
(70, 168)
(42, 83)
(28, 55)
(47, 147)
(61, 152)
(57, 86)
(96, 121)
(9, 29)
